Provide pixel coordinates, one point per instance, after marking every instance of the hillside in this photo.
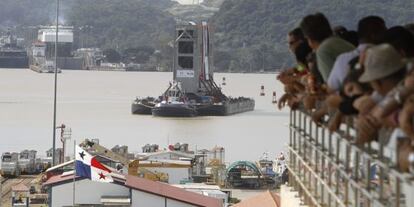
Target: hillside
(25, 12)
(249, 34)
(252, 33)
(122, 23)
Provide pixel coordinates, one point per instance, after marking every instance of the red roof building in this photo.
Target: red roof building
(124, 191)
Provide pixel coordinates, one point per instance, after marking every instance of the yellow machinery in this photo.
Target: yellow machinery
(133, 166)
(218, 170)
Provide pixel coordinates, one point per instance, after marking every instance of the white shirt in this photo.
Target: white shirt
(341, 67)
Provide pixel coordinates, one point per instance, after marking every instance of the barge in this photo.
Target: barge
(193, 74)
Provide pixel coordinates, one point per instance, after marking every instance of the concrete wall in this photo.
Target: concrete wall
(174, 174)
(140, 198)
(87, 192)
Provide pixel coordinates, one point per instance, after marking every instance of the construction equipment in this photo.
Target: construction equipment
(95, 148)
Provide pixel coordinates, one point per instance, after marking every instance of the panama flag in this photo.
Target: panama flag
(87, 166)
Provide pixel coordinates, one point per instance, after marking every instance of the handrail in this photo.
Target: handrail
(314, 159)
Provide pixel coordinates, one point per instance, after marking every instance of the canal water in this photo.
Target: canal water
(96, 104)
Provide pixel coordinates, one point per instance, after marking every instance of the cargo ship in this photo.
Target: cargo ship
(193, 73)
(12, 54)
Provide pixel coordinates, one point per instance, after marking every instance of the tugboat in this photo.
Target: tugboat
(174, 104)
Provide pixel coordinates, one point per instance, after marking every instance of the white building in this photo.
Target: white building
(124, 191)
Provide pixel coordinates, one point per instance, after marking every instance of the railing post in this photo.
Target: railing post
(347, 160)
(356, 175)
(337, 160)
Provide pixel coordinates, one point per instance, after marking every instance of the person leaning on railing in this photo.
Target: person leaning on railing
(377, 88)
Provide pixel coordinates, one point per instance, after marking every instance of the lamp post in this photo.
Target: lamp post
(54, 98)
(55, 84)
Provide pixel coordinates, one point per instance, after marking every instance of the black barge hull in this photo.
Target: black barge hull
(14, 62)
(227, 108)
(174, 111)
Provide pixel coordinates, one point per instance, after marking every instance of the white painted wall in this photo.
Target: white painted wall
(87, 192)
(140, 198)
(174, 203)
(174, 174)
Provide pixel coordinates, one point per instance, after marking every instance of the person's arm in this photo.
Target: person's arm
(364, 104)
(406, 117)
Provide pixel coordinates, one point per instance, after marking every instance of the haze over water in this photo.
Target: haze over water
(98, 105)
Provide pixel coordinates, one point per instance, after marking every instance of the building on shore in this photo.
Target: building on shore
(42, 53)
(126, 191)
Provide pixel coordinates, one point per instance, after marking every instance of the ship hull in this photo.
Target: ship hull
(227, 108)
(174, 110)
(14, 62)
(139, 108)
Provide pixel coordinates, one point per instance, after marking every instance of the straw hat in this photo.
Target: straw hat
(381, 61)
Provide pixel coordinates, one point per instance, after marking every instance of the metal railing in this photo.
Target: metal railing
(327, 169)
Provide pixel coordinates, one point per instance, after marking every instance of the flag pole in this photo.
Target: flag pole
(74, 171)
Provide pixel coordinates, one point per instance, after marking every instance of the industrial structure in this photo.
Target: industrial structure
(43, 50)
(195, 91)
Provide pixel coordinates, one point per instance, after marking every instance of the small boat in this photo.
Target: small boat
(174, 104)
(143, 105)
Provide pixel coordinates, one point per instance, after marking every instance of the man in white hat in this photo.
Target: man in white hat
(384, 71)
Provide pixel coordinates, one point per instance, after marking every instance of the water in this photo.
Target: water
(97, 105)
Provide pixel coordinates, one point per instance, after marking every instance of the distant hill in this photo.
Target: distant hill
(213, 3)
(121, 24)
(252, 32)
(249, 34)
(25, 12)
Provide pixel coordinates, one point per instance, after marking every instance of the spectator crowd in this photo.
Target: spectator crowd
(366, 76)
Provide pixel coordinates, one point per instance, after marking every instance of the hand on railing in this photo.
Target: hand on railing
(367, 129)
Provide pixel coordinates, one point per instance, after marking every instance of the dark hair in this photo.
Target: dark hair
(316, 27)
(401, 39)
(410, 27)
(351, 37)
(302, 52)
(371, 29)
(297, 34)
(339, 30)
